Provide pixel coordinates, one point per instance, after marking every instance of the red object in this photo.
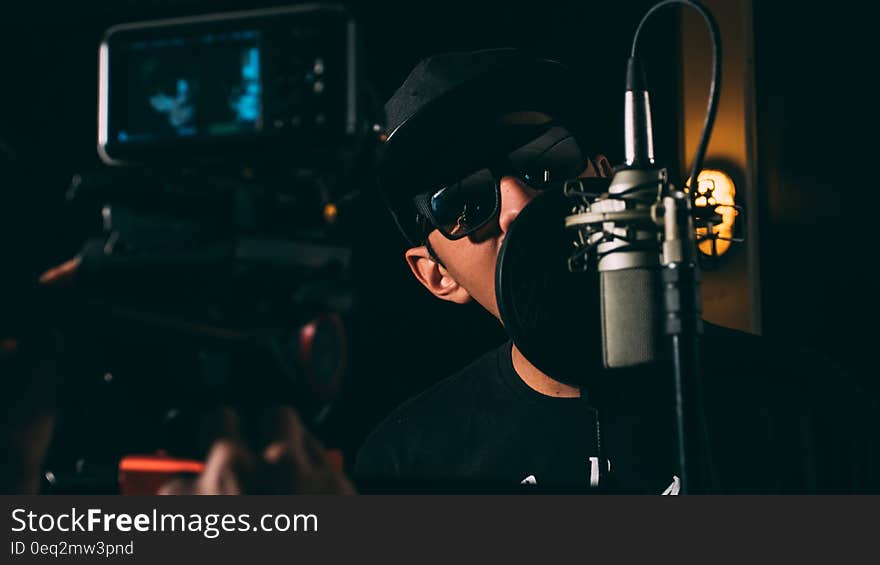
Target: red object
(145, 474)
(320, 340)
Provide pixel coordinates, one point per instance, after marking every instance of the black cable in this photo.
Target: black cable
(715, 86)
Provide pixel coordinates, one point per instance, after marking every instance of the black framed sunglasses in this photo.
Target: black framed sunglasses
(466, 205)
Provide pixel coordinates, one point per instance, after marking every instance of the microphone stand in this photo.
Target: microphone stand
(682, 323)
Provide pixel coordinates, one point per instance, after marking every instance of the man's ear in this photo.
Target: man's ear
(604, 166)
(434, 276)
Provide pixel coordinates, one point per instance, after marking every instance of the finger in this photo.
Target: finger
(284, 475)
(289, 441)
(297, 462)
(221, 423)
(286, 425)
(227, 469)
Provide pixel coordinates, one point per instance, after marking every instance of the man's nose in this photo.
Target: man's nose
(515, 195)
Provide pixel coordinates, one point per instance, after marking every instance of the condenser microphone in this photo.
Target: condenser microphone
(629, 256)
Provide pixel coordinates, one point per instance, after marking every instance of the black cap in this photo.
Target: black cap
(445, 116)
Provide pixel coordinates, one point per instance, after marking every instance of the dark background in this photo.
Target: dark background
(813, 146)
(816, 143)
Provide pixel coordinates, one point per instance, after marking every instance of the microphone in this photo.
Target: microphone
(622, 229)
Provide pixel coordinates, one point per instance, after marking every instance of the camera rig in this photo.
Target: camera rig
(218, 270)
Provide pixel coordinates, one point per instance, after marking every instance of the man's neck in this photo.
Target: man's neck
(539, 381)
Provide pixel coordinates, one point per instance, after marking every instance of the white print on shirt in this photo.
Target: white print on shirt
(594, 471)
(673, 488)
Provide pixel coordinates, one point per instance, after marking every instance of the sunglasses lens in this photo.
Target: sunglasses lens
(461, 208)
(539, 156)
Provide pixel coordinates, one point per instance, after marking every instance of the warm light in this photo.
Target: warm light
(331, 212)
(715, 188)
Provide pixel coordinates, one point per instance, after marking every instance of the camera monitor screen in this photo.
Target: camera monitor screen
(261, 83)
(207, 85)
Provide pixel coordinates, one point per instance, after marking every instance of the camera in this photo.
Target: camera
(218, 269)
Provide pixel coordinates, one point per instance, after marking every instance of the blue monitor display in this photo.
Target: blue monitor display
(184, 87)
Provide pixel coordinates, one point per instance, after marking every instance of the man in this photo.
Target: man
(472, 138)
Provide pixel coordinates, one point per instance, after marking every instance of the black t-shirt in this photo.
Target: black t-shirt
(778, 420)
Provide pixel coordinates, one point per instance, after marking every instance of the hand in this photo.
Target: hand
(294, 462)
